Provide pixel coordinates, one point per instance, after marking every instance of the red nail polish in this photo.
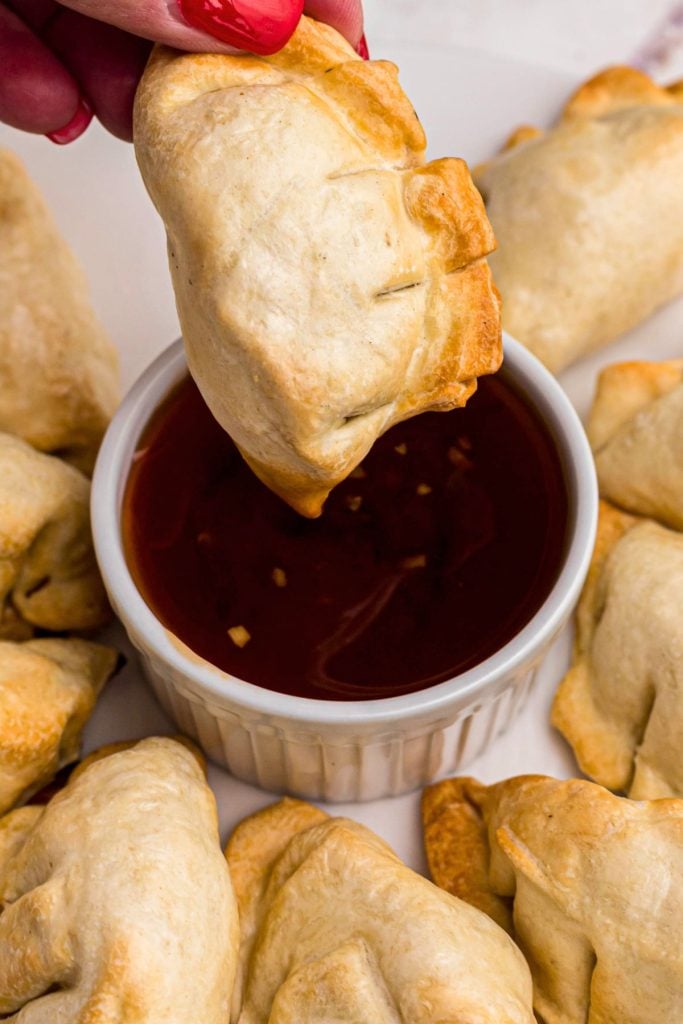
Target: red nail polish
(259, 26)
(76, 126)
(362, 48)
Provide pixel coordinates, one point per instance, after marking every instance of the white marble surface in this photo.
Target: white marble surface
(578, 36)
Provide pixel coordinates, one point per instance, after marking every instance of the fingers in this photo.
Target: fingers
(37, 94)
(259, 26)
(344, 15)
(201, 25)
(33, 954)
(106, 62)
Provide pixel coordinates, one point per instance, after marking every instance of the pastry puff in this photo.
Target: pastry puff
(48, 690)
(329, 283)
(620, 706)
(336, 929)
(590, 884)
(116, 900)
(48, 573)
(636, 431)
(58, 369)
(589, 216)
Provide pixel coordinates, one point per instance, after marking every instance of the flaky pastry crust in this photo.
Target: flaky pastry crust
(48, 574)
(591, 885)
(589, 216)
(329, 283)
(335, 928)
(48, 690)
(116, 904)
(620, 706)
(58, 369)
(636, 431)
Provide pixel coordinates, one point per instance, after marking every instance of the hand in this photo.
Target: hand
(62, 62)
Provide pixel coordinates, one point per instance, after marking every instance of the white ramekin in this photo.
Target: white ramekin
(340, 750)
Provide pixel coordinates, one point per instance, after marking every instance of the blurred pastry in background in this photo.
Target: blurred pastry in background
(589, 884)
(48, 690)
(589, 216)
(329, 282)
(58, 369)
(620, 706)
(636, 431)
(48, 574)
(116, 899)
(334, 927)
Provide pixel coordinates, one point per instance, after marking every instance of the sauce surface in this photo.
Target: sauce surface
(429, 558)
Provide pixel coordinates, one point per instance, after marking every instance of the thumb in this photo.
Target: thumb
(259, 26)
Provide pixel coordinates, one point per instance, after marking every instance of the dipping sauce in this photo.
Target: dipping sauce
(428, 559)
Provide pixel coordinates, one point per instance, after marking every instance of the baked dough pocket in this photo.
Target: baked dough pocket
(589, 884)
(589, 216)
(48, 574)
(48, 689)
(329, 282)
(116, 900)
(58, 369)
(335, 928)
(620, 706)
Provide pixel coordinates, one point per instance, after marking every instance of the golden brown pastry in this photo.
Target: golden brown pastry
(48, 574)
(591, 885)
(334, 928)
(620, 706)
(329, 283)
(636, 431)
(116, 902)
(48, 690)
(58, 369)
(589, 217)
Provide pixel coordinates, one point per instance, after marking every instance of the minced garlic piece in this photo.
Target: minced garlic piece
(354, 502)
(401, 449)
(279, 577)
(414, 562)
(239, 636)
(458, 458)
(424, 489)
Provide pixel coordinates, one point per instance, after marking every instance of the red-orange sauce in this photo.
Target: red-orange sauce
(425, 561)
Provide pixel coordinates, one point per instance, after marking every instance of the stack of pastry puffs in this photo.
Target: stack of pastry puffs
(621, 704)
(118, 907)
(116, 903)
(588, 883)
(589, 220)
(58, 388)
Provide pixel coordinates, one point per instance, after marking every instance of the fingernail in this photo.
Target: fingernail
(76, 126)
(362, 48)
(253, 25)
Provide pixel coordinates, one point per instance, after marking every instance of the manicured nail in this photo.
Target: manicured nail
(259, 26)
(362, 48)
(76, 126)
